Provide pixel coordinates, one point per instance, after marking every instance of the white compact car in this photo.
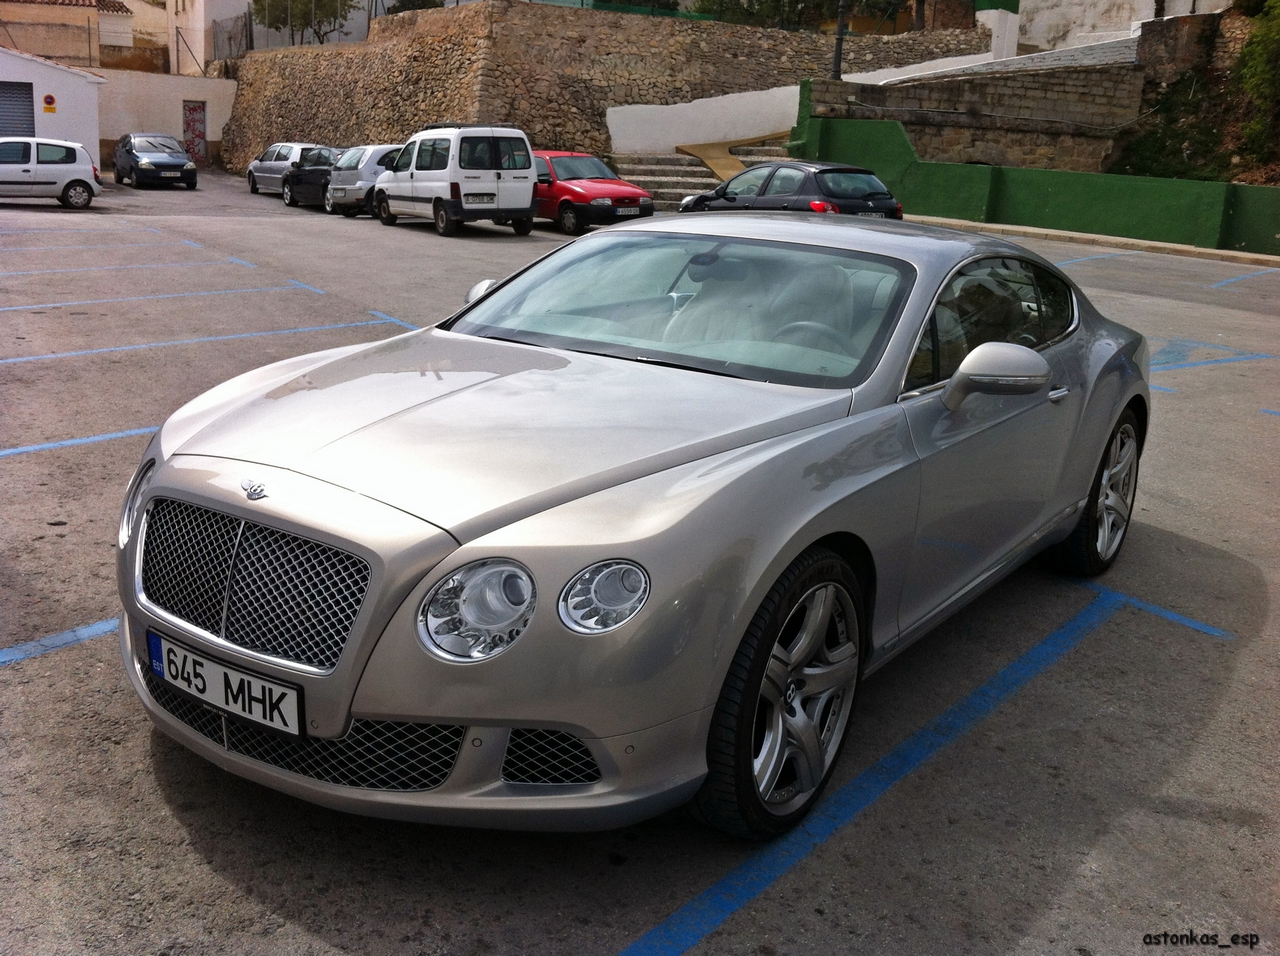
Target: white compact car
(457, 173)
(351, 180)
(30, 166)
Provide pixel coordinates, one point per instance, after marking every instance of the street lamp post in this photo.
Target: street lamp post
(837, 60)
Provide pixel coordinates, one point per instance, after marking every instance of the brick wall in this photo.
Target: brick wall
(553, 71)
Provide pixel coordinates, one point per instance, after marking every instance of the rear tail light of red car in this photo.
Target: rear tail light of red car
(455, 192)
(819, 206)
(897, 210)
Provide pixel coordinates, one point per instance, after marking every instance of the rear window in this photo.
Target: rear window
(15, 152)
(513, 153)
(53, 153)
(494, 152)
(351, 159)
(476, 152)
(842, 185)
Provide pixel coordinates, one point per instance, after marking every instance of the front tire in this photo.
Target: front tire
(134, 181)
(568, 221)
(385, 215)
(253, 184)
(785, 706)
(76, 195)
(191, 185)
(1095, 543)
(446, 225)
(286, 193)
(117, 176)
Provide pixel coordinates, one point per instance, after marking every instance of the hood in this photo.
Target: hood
(472, 434)
(596, 188)
(162, 157)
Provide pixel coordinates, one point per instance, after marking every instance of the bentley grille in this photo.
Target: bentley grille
(374, 754)
(255, 587)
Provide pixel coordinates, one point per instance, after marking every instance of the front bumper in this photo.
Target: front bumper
(608, 215)
(159, 175)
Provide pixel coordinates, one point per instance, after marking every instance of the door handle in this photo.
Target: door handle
(411, 175)
(1058, 393)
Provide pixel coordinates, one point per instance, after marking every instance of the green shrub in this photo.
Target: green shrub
(1258, 72)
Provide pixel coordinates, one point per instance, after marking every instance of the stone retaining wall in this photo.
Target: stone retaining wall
(553, 71)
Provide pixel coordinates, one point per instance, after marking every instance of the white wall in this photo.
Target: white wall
(115, 29)
(716, 119)
(133, 102)
(1051, 24)
(75, 98)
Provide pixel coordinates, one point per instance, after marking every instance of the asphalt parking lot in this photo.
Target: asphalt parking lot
(1058, 769)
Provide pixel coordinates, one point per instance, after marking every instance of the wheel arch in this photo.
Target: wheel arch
(853, 550)
(1138, 406)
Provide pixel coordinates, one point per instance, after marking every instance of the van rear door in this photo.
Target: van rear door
(515, 172)
(477, 167)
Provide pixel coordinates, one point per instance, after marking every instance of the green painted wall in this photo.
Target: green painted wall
(1210, 215)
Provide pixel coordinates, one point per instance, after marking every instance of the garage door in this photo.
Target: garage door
(17, 109)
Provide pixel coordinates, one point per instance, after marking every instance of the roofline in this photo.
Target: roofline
(53, 63)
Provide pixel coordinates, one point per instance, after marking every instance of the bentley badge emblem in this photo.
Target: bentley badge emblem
(254, 489)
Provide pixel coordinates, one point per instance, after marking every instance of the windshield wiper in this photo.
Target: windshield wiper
(648, 360)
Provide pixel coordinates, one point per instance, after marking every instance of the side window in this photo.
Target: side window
(53, 154)
(440, 158)
(15, 152)
(1055, 303)
(992, 300)
(123, 142)
(426, 151)
(785, 181)
(475, 152)
(540, 164)
(748, 183)
(513, 153)
(405, 159)
(284, 154)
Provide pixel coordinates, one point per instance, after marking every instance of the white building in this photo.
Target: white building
(41, 98)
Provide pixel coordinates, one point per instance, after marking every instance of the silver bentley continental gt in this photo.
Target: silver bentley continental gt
(627, 531)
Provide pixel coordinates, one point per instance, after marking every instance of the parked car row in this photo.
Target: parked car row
(452, 174)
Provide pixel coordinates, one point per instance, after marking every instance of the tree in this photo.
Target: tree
(322, 18)
(402, 6)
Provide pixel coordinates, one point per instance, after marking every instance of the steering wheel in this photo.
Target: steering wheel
(822, 331)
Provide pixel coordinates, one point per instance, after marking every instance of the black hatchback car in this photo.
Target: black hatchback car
(145, 158)
(801, 186)
(307, 180)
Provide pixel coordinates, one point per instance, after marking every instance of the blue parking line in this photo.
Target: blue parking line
(101, 245)
(1109, 255)
(1219, 285)
(390, 318)
(1160, 388)
(690, 924)
(241, 262)
(303, 285)
(17, 232)
(1220, 361)
(207, 338)
(144, 265)
(1268, 411)
(77, 635)
(188, 242)
(167, 295)
(67, 443)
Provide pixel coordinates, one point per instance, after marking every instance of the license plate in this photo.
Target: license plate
(871, 215)
(339, 193)
(625, 211)
(479, 199)
(171, 174)
(228, 689)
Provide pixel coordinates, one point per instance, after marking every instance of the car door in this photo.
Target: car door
(514, 172)
(315, 176)
(431, 174)
(476, 166)
(399, 184)
(16, 169)
(990, 470)
(782, 191)
(544, 189)
(275, 168)
(53, 168)
(741, 191)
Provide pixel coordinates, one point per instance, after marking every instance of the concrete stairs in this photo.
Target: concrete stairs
(668, 177)
(751, 155)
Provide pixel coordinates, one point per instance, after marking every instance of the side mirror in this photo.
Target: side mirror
(294, 164)
(479, 289)
(545, 179)
(997, 368)
(719, 191)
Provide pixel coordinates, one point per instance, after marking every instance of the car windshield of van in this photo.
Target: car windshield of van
(762, 310)
(846, 185)
(157, 144)
(580, 167)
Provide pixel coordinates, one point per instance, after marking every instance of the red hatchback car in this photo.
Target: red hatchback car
(577, 190)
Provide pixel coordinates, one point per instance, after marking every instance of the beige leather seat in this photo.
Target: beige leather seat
(729, 305)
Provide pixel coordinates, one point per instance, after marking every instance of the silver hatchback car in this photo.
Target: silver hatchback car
(265, 172)
(351, 182)
(628, 530)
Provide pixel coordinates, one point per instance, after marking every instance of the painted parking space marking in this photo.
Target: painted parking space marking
(167, 295)
(77, 635)
(1173, 354)
(303, 285)
(69, 442)
(1160, 388)
(1219, 285)
(207, 338)
(144, 265)
(690, 924)
(101, 245)
(391, 318)
(1268, 411)
(19, 232)
(1109, 255)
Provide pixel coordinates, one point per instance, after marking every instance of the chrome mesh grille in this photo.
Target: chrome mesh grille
(256, 587)
(547, 756)
(374, 755)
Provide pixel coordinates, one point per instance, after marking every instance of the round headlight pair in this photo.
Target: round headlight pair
(482, 608)
(133, 494)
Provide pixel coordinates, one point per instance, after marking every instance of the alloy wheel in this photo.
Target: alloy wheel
(1116, 491)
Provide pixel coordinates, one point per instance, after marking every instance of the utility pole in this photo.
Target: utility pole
(837, 61)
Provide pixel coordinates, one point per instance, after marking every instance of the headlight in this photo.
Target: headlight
(141, 479)
(602, 201)
(189, 166)
(145, 164)
(477, 611)
(604, 596)
(646, 200)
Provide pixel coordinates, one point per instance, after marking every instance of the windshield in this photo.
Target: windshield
(768, 311)
(157, 144)
(839, 185)
(350, 159)
(580, 167)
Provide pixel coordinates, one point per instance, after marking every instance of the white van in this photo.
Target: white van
(456, 173)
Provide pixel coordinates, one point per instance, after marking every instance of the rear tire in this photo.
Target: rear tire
(568, 221)
(446, 225)
(253, 184)
(76, 195)
(522, 227)
(385, 215)
(328, 201)
(786, 703)
(286, 193)
(1095, 543)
